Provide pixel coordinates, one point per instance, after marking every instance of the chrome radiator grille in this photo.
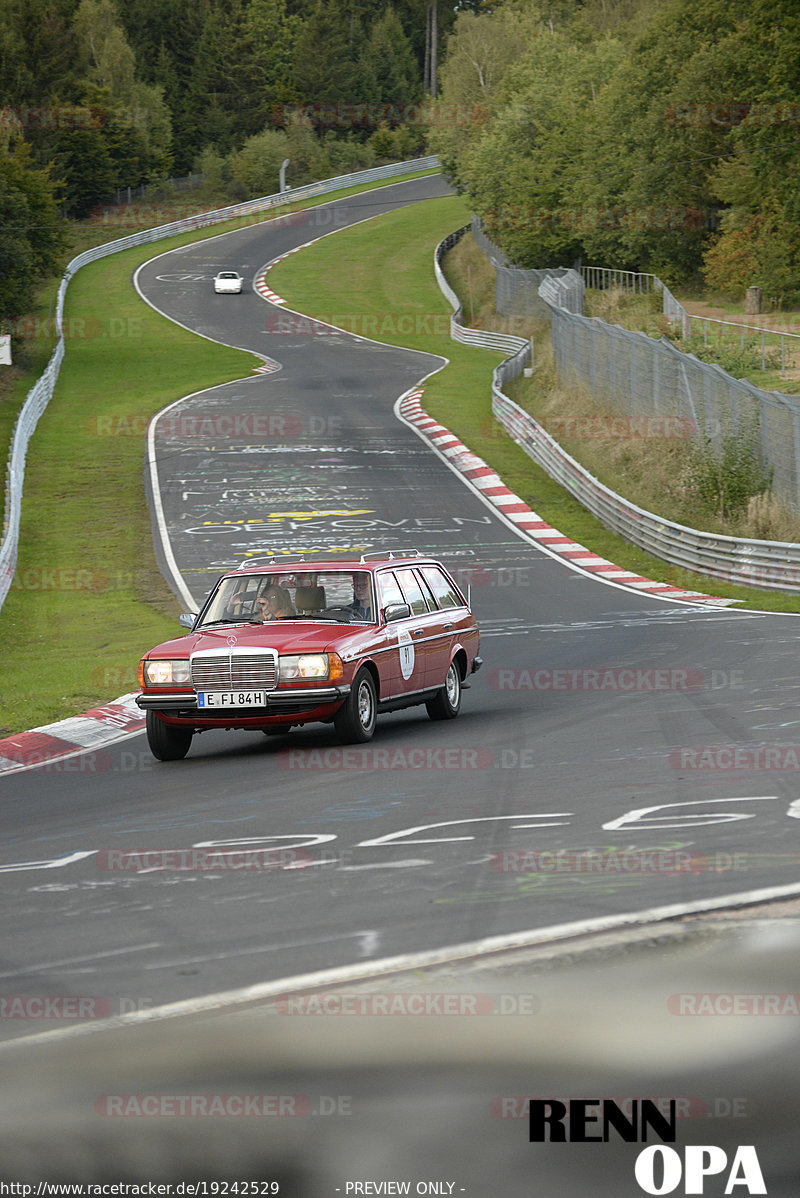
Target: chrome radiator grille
(235, 671)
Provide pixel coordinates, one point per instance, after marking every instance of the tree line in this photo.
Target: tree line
(661, 138)
(100, 95)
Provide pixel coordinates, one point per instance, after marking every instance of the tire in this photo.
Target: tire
(355, 720)
(166, 742)
(446, 704)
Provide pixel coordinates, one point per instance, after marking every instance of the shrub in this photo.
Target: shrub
(737, 357)
(724, 481)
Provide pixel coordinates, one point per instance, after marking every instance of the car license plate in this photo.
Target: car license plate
(231, 699)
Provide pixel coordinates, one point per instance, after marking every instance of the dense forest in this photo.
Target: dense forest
(649, 134)
(660, 137)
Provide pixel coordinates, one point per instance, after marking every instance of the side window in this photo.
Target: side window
(413, 592)
(426, 590)
(442, 588)
(389, 590)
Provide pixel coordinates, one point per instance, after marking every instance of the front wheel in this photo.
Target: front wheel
(446, 703)
(355, 720)
(166, 742)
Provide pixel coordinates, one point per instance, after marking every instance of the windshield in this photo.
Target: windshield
(339, 596)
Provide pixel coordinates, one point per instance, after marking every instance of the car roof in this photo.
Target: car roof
(370, 562)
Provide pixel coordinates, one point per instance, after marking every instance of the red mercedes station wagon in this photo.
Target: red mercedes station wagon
(283, 642)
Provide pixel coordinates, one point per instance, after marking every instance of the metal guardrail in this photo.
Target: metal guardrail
(770, 565)
(631, 282)
(564, 291)
(504, 343)
(40, 394)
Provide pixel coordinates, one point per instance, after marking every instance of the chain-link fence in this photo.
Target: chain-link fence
(517, 290)
(647, 378)
(657, 379)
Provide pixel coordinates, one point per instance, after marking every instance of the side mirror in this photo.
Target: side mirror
(396, 611)
(187, 619)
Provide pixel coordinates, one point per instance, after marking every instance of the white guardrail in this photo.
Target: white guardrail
(504, 343)
(40, 394)
(770, 565)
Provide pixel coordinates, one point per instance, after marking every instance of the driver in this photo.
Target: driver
(275, 604)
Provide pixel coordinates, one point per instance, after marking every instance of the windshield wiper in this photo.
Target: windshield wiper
(230, 620)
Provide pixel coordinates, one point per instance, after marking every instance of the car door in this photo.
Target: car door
(456, 621)
(425, 627)
(402, 667)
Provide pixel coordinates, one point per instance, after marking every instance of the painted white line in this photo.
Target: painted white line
(532, 537)
(41, 966)
(48, 863)
(365, 970)
(192, 604)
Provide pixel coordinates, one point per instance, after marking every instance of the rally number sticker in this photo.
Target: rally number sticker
(406, 647)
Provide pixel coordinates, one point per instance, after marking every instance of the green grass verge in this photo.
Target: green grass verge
(88, 599)
(37, 330)
(389, 278)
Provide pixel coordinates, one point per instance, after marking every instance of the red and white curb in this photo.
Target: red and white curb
(260, 281)
(54, 742)
(492, 487)
(101, 725)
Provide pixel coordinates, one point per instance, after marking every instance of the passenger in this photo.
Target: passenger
(361, 607)
(275, 604)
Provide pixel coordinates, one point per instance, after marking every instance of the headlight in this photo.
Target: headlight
(311, 666)
(164, 673)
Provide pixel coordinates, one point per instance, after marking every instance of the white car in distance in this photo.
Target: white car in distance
(227, 282)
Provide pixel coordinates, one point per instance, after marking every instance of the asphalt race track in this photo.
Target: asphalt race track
(653, 742)
(423, 839)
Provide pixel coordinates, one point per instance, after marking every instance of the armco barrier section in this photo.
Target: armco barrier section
(770, 565)
(504, 343)
(40, 394)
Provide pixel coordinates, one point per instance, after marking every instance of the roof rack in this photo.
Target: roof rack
(271, 561)
(389, 553)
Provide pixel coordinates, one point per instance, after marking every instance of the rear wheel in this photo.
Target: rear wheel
(166, 742)
(355, 720)
(446, 703)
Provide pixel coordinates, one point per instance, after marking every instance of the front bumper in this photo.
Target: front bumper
(305, 699)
